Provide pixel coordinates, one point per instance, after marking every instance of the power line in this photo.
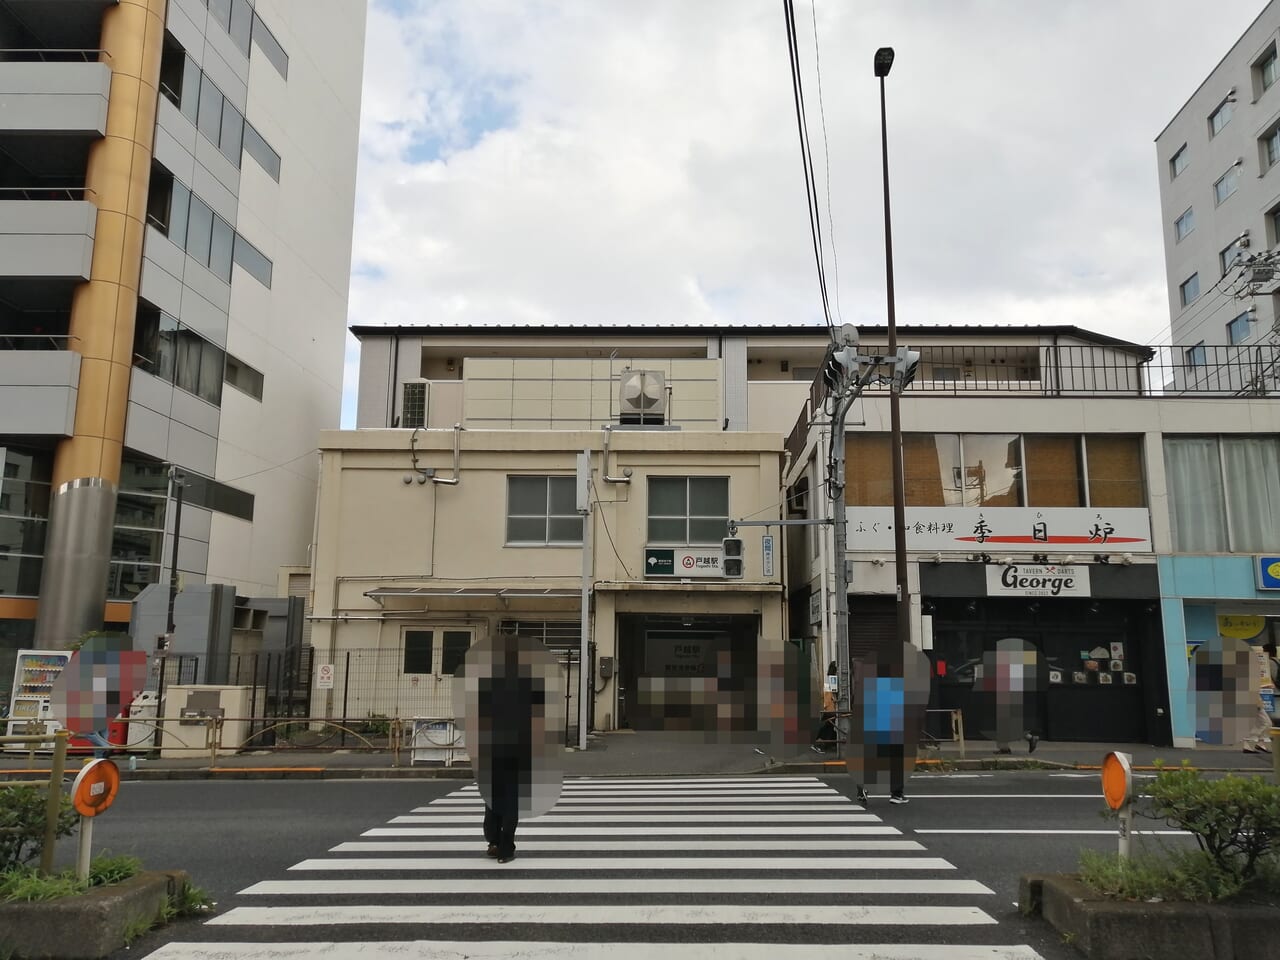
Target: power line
(806, 159)
(605, 523)
(826, 161)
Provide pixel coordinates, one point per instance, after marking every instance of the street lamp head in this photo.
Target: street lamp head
(884, 60)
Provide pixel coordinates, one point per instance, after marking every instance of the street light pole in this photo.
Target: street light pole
(176, 479)
(883, 63)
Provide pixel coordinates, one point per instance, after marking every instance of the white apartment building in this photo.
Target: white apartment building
(1218, 165)
(177, 184)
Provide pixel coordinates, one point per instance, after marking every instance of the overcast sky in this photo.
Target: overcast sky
(637, 161)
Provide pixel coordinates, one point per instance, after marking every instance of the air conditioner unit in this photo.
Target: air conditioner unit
(642, 396)
(413, 403)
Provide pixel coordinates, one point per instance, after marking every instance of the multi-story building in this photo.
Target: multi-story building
(1048, 453)
(176, 202)
(1220, 204)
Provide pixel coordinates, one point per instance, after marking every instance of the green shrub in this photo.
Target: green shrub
(1188, 875)
(106, 869)
(25, 883)
(1235, 821)
(22, 822)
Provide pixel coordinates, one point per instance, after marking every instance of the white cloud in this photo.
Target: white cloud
(637, 163)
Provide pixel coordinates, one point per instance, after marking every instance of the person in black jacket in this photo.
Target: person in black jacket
(511, 705)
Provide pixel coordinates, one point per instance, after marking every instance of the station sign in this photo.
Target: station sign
(683, 563)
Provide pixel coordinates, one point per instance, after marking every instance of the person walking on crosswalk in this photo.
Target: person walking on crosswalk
(890, 696)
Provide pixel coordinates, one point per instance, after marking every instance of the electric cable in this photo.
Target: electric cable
(826, 161)
(605, 523)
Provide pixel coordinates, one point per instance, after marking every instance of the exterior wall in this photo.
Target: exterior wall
(1258, 194)
(452, 538)
(54, 96)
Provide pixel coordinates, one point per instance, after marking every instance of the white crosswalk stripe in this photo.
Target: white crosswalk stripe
(775, 867)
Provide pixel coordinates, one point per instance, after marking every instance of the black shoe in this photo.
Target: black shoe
(1004, 751)
(862, 796)
(1032, 742)
(492, 851)
(507, 858)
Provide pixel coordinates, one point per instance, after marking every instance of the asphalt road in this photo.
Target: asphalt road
(991, 827)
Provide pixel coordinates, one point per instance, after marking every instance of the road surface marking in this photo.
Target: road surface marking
(438, 864)
(1100, 833)
(554, 950)
(477, 817)
(692, 807)
(825, 830)
(572, 845)
(676, 886)
(845, 914)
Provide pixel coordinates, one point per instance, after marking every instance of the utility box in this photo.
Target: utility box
(142, 717)
(187, 707)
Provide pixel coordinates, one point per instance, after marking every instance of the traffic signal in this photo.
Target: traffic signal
(837, 367)
(731, 562)
(905, 363)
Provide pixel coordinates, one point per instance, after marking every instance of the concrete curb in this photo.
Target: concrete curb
(90, 925)
(1104, 929)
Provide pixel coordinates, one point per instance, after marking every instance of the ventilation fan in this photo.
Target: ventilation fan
(642, 397)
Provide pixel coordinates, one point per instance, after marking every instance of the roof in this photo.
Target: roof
(571, 330)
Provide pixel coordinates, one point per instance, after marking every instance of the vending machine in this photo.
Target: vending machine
(33, 678)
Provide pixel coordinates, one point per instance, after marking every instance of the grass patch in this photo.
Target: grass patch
(189, 901)
(1181, 875)
(24, 883)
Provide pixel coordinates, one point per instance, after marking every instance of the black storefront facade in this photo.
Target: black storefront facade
(1099, 645)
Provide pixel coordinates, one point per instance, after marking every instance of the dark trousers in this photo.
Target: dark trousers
(503, 815)
(895, 754)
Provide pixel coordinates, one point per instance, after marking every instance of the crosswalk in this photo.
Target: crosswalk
(735, 867)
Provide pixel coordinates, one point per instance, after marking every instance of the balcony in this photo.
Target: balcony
(38, 392)
(66, 23)
(43, 96)
(45, 239)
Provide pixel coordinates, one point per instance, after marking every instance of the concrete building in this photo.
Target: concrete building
(1030, 452)
(176, 202)
(1220, 203)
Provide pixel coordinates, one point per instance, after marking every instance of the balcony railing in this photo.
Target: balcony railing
(47, 55)
(1075, 370)
(35, 341)
(41, 193)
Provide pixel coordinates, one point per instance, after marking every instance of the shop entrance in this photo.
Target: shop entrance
(687, 672)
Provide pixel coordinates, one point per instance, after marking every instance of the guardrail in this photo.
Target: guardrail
(54, 784)
(41, 193)
(927, 740)
(51, 55)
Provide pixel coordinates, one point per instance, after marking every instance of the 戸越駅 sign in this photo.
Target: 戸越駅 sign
(1037, 580)
(683, 562)
(1083, 530)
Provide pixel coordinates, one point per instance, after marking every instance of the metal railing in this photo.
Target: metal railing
(42, 193)
(53, 805)
(35, 341)
(51, 55)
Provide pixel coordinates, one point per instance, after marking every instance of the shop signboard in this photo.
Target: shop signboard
(684, 562)
(1037, 580)
(1268, 572)
(1007, 529)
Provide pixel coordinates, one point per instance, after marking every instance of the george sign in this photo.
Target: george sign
(1037, 580)
(766, 554)
(684, 562)
(324, 676)
(1267, 570)
(95, 787)
(1011, 529)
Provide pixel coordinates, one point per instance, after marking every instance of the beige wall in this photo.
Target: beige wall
(374, 530)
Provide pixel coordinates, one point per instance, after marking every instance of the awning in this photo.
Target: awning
(506, 594)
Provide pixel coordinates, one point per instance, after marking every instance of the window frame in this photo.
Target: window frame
(1231, 178)
(1226, 110)
(1196, 356)
(1184, 288)
(1267, 65)
(1189, 216)
(549, 481)
(688, 518)
(1236, 249)
(1179, 162)
(1236, 323)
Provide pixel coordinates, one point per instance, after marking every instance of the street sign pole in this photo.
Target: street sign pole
(1117, 790)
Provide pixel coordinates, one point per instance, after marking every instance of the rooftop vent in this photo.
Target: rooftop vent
(642, 397)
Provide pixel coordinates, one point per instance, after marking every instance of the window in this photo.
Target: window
(199, 231)
(1226, 185)
(1238, 329)
(992, 470)
(231, 134)
(1055, 472)
(173, 61)
(221, 12)
(420, 648)
(159, 198)
(261, 151)
(688, 509)
(1231, 256)
(198, 367)
(1266, 68)
(1271, 148)
(243, 377)
(417, 651)
(190, 103)
(24, 511)
(1184, 224)
(270, 46)
(241, 24)
(1220, 117)
(253, 261)
(551, 633)
(1189, 289)
(542, 510)
(209, 118)
(1114, 466)
(1224, 493)
(1178, 162)
(1196, 355)
(212, 495)
(931, 467)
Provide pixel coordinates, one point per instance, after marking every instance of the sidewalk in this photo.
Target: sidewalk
(649, 753)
